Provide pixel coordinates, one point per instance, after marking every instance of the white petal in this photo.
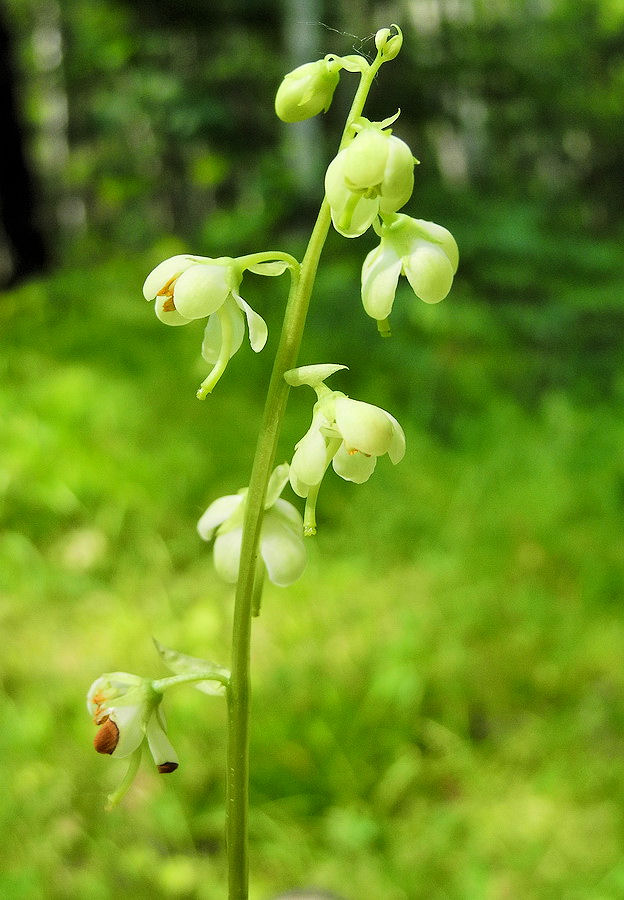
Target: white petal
(277, 483)
(211, 345)
(380, 274)
(310, 457)
(355, 466)
(365, 159)
(165, 272)
(271, 268)
(226, 554)
(312, 375)
(168, 316)
(289, 514)
(108, 688)
(363, 426)
(398, 180)
(429, 271)
(442, 236)
(159, 744)
(201, 290)
(396, 450)
(258, 331)
(216, 514)
(130, 720)
(282, 550)
(339, 197)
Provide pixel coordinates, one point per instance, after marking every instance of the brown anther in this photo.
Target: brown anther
(167, 288)
(107, 737)
(169, 305)
(165, 768)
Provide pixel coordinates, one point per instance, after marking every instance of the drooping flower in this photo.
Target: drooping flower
(196, 287)
(373, 174)
(424, 252)
(347, 433)
(127, 710)
(282, 549)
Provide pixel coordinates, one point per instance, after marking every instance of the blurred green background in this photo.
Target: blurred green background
(438, 703)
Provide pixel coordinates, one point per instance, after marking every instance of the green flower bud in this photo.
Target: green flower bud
(307, 90)
(387, 46)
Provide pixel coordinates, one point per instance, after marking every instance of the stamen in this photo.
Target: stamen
(107, 738)
(165, 768)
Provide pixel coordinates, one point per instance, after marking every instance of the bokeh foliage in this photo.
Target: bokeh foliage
(438, 704)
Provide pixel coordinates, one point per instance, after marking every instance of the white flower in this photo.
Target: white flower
(127, 710)
(373, 174)
(281, 539)
(195, 287)
(424, 252)
(348, 433)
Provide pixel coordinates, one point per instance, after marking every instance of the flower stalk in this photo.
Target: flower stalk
(238, 692)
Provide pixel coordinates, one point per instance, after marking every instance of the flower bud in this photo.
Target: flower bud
(307, 90)
(388, 46)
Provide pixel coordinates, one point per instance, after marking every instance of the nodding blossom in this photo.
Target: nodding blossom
(347, 433)
(126, 709)
(372, 175)
(187, 287)
(282, 548)
(424, 252)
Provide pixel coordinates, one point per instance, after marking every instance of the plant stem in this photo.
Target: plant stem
(238, 691)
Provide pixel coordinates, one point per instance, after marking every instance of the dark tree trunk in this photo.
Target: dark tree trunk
(17, 197)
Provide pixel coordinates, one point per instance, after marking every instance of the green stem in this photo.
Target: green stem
(163, 684)
(238, 691)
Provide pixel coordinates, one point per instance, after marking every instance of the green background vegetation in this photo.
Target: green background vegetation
(439, 702)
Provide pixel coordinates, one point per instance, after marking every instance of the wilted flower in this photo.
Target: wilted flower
(373, 174)
(424, 252)
(127, 710)
(195, 287)
(348, 433)
(281, 539)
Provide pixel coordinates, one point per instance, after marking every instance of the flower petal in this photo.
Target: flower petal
(258, 331)
(311, 375)
(429, 271)
(437, 234)
(216, 514)
(166, 314)
(130, 720)
(270, 268)
(277, 483)
(159, 744)
(398, 180)
(355, 466)
(396, 450)
(380, 274)
(283, 550)
(165, 272)
(211, 345)
(364, 427)
(310, 457)
(201, 290)
(226, 554)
